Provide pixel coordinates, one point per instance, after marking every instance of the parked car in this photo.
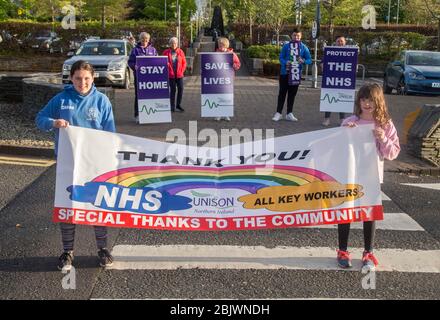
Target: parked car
(46, 40)
(415, 71)
(108, 57)
(283, 39)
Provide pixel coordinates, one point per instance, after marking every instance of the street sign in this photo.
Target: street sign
(314, 30)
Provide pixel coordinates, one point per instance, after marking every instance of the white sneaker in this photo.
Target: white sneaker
(277, 116)
(291, 117)
(326, 122)
(217, 118)
(227, 119)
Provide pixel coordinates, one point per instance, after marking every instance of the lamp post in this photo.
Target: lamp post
(398, 7)
(389, 11)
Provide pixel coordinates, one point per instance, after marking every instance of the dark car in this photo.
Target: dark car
(47, 41)
(414, 72)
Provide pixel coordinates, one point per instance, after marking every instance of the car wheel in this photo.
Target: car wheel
(386, 88)
(127, 80)
(401, 88)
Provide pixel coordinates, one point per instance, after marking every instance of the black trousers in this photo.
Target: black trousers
(173, 84)
(369, 234)
(341, 115)
(136, 109)
(285, 89)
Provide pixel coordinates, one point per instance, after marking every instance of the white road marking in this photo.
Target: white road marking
(434, 186)
(384, 197)
(391, 221)
(172, 257)
(26, 161)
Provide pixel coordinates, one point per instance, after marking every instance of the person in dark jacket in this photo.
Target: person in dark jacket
(176, 69)
(143, 48)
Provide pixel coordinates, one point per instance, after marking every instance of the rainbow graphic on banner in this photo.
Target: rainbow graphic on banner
(175, 179)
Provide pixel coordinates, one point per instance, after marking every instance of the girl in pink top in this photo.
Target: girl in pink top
(370, 108)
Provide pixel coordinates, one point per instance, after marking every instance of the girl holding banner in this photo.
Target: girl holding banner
(176, 69)
(223, 46)
(292, 56)
(81, 105)
(143, 48)
(370, 108)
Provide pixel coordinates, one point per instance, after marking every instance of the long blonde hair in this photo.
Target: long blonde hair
(373, 92)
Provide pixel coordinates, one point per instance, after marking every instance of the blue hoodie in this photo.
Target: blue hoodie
(285, 56)
(93, 110)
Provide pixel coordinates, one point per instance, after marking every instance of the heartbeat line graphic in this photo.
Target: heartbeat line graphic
(213, 104)
(333, 99)
(149, 111)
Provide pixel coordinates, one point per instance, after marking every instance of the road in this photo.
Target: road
(218, 265)
(265, 264)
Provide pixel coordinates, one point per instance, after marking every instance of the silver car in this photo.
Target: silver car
(109, 58)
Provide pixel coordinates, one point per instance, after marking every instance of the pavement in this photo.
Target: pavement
(255, 103)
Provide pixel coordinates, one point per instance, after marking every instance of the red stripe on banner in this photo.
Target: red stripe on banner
(166, 222)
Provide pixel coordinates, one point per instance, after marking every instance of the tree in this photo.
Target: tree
(103, 9)
(433, 7)
(277, 13)
(6, 7)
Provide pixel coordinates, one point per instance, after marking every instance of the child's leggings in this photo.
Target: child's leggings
(369, 233)
(68, 236)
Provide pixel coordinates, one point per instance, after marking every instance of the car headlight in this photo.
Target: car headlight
(67, 67)
(416, 76)
(115, 66)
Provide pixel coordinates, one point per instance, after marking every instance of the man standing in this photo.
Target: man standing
(289, 56)
(340, 42)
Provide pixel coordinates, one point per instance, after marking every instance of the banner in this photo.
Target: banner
(217, 84)
(153, 90)
(295, 67)
(339, 79)
(316, 178)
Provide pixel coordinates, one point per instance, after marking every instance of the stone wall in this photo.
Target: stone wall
(35, 63)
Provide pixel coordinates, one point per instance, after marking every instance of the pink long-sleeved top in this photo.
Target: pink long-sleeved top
(388, 149)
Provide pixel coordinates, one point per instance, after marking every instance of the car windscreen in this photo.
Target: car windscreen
(110, 48)
(424, 59)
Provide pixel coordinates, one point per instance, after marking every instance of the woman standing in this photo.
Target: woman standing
(143, 48)
(176, 69)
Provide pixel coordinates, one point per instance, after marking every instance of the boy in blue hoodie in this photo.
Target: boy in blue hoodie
(81, 105)
(287, 55)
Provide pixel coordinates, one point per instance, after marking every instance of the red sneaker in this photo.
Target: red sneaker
(369, 260)
(344, 259)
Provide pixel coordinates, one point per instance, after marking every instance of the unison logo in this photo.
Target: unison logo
(207, 200)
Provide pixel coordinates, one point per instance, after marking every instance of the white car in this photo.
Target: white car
(108, 57)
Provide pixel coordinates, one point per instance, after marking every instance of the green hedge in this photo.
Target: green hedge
(160, 31)
(267, 52)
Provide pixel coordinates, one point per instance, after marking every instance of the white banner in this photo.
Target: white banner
(322, 177)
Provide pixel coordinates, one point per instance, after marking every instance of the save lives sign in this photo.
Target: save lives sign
(292, 181)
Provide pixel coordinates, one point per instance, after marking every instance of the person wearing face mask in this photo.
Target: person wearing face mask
(143, 48)
(176, 70)
(81, 105)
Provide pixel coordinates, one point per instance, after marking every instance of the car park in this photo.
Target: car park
(45, 40)
(282, 40)
(109, 57)
(415, 72)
